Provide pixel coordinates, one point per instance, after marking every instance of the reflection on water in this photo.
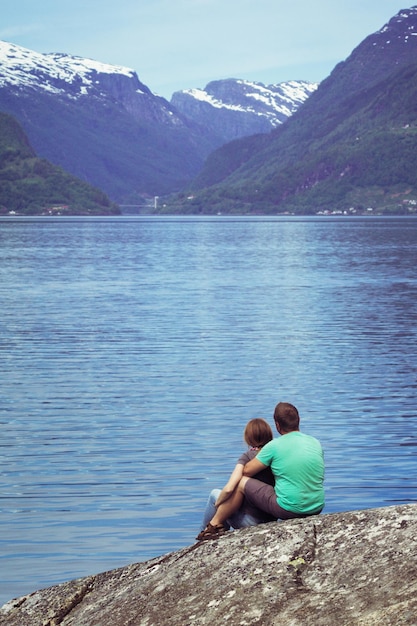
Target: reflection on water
(134, 350)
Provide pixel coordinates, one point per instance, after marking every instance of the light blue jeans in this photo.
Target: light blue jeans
(241, 519)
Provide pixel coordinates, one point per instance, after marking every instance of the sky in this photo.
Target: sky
(184, 44)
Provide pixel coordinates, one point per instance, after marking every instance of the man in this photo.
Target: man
(297, 463)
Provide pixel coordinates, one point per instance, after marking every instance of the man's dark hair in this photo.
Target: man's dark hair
(286, 417)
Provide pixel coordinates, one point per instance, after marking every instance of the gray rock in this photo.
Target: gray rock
(356, 568)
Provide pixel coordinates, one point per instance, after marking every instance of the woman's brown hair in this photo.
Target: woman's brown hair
(257, 432)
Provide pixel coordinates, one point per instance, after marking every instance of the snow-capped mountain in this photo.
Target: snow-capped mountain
(23, 67)
(103, 125)
(76, 78)
(236, 108)
(100, 123)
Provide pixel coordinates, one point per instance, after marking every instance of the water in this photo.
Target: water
(134, 350)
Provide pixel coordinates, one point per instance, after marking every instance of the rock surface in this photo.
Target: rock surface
(356, 568)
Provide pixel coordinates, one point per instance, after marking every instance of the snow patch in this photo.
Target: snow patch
(272, 101)
(25, 68)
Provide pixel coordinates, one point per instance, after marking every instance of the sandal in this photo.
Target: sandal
(211, 532)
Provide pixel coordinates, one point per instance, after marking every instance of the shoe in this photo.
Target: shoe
(211, 532)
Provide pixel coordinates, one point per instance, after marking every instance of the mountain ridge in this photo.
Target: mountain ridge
(233, 107)
(99, 122)
(314, 156)
(102, 124)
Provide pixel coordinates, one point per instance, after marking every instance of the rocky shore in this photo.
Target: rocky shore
(356, 568)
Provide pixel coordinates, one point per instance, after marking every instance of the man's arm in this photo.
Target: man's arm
(253, 467)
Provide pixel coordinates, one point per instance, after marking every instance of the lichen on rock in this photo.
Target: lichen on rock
(351, 569)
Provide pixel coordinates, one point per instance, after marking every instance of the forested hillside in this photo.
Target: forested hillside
(32, 186)
(351, 146)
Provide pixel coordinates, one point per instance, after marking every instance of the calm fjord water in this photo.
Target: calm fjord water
(134, 350)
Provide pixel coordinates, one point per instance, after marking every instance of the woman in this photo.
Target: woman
(257, 433)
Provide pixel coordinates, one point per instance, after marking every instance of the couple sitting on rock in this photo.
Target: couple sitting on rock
(275, 479)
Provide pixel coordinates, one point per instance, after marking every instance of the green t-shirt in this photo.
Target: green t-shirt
(297, 462)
